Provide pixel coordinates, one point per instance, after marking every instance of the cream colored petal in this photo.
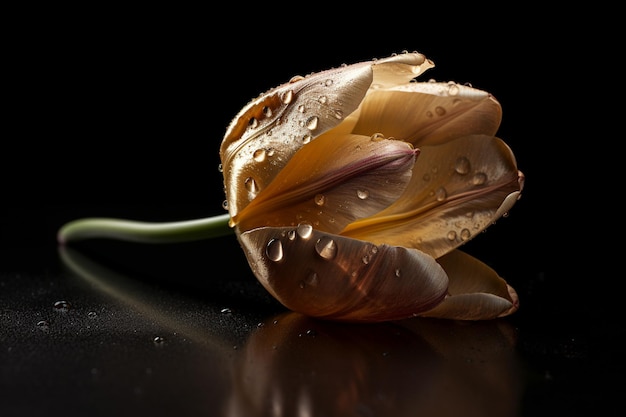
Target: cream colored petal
(429, 113)
(458, 189)
(331, 182)
(269, 130)
(333, 277)
(476, 291)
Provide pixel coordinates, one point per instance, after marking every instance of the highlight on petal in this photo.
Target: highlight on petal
(332, 182)
(458, 189)
(329, 276)
(476, 291)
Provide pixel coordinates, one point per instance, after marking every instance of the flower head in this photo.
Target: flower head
(351, 189)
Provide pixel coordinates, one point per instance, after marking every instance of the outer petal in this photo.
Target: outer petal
(476, 291)
(429, 113)
(332, 182)
(457, 190)
(330, 276)
(272, 128)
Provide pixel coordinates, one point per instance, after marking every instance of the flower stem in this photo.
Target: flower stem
(145, 232)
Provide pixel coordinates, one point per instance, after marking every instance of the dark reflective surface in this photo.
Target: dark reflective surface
(123, 117)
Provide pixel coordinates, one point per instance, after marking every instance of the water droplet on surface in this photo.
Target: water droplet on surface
(158, 340)
(440, 111)
(323, 99)
(397, 272)
(295, 79)
(267, 111)
(376, 137)
(253, 123)
(274, 250)
(259, 155)
(287, 97)
(306, 139)
(326, 247)
(43, 324)
(226, 311)
(225, 204)
(251, 185)
(441, 194)
(319, 199)
(453, 89)
(362, 194)
(92, 314)
(465, 234)
(291, 235)
(451, 235)
(62, 306)
(301, 108)
(479, 178)
(304, 230)
(462, 166)
(220, 168)
(338, 114)
(312, 122)
(328, 82)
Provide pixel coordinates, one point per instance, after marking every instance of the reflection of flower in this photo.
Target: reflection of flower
(350, 190)
(295, 365)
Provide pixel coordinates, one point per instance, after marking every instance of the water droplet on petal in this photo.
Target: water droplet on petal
(301, 108)
(287, 97)
(62, 306)
(465, 234)
(462, 166)
(326, 247)
(376, 137)
(253, 123)
(312, 122)
(453, 89)
(304, 230)
(306, 139)
(220, 168)
(322, 99)
(225, 204)
(328, 82)
(440, 111)
(295, 79)
(259, 155)
(441, 194)
(362, 194)
(451, 235)
(479, 178)
(267, 111)
(320, 199)
(274, 250)
(251, 185)
(158, 340)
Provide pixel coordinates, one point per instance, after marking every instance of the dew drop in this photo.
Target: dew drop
(158, 340)
(92, 314)
(312, 122)
(62, 306)
(465, 234)
(319, 199)
(326, 247)
(453, 89)
(291, 235)
(274, 250)
(270, 151)
(365, 259)
(397, 273)
(253, 123)
(226, 311)
(304, 230)
(440, 111)
(251, 185)
(441, 194)
(225, 204)
(259, 155)
(451, 235)
(377, 137)
(362, 194)
(43, 324)
(306, 139)
(220, 168)
(301, 108)
(295, 79)
(328, 82)
(479, 178)
(462, 166)
(429, 114)
(323, 99)
(287, 97)
(267, 111)
(338, 114)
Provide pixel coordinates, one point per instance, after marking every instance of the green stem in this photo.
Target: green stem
(145, 232)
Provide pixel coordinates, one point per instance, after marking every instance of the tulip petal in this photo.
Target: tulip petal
(457, 190)
(333, 277)
(429, 113)
(331, 182)
(269, 130)
(476, 291)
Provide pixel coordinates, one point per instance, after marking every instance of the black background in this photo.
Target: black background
(121, 113)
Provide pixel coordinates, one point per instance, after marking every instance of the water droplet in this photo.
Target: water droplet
(274, 250)
(251, 185)
(304, 230)
(220, 168)
(270, 151)
(328, 82)
(253, 123)
(362, 194)
(225, 204)
(295, 79)
(429, 114)
(323, 99)
(92, 314)
(397, 273)
(441, 194)
(376, 137)
(462, 166)
(267, 111)
(319, 199)
(62, 306)
(338, 114)
(226, 311)
(291, 235)
(158, 340)
(301, 108)
(479, 178)
(453, 89)
(312, 122)
(43, 324)
(259, 155)
(465, 234)
(365, 259)
(326, 247)
(451, 235)
(306, 139)
(440, 111)
(287, 97)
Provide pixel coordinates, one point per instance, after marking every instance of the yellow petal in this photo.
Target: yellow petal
(458, 189)
(429, 113)
(476, 291)
(272, 128)
(333, 277)
(331, 182)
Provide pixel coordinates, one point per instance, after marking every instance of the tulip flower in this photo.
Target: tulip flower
(350, 191)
